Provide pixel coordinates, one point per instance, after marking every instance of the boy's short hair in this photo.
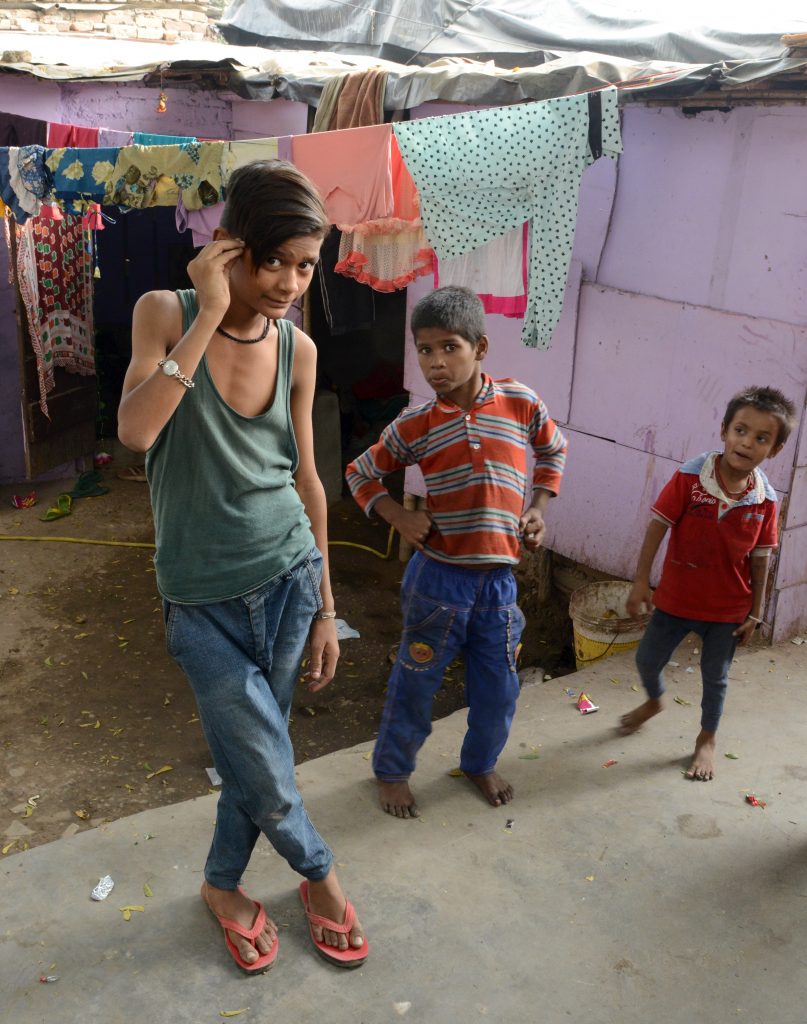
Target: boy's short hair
(268, 202)
(764, 399)
(454, 309)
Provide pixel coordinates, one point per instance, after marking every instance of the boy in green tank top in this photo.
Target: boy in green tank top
(219, 395)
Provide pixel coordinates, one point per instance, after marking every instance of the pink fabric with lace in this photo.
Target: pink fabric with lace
(390, 253)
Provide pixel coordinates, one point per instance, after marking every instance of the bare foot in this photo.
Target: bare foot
(396, 798)
(235, 905)
(703, 762)
(494, 788)
(326, 899)
(635, 719)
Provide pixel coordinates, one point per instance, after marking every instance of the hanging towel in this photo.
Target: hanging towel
(24, 180)
(16, 130)
(111, 137)
(64, 135)
(483, 173)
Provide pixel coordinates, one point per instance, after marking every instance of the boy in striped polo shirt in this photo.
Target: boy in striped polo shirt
(458, 593)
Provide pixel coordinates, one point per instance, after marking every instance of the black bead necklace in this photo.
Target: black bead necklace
(247, 341)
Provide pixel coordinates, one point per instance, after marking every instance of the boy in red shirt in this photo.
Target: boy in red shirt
(721, 511)
(458, 592)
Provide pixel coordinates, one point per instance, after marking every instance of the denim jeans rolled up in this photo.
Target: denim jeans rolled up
(242, 658)
(450, 610)
(718, 644)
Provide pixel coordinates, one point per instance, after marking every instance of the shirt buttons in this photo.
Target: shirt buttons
(468, 416)
(475, 447)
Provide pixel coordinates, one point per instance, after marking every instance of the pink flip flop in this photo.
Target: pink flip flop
(265, 960)
(350, 957)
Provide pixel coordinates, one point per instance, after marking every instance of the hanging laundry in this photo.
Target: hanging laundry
(247, 151)
(352, 100)
(351, 169)
(16, 130)
(391, 252)
(496, 271)
(24, 180)
(483, 173)
(54, 275)
(72, 135)
(202, 223)
(348, 305)
(111, 137)
(151, 139)
(81, 173)
(147, 176)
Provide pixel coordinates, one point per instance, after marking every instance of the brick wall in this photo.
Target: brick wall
(168, 22)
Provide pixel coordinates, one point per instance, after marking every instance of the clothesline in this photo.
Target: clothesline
(471, 177)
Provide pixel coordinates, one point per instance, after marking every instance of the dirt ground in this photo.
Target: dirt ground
(97, 722)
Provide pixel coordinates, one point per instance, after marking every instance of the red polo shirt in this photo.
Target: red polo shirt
(707, 568)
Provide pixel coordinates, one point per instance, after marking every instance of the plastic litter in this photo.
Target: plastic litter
(213, 775)
(585, 705)
(48, 979)
(103, 889)
(346, 632)
(611, 761)
(754, 801)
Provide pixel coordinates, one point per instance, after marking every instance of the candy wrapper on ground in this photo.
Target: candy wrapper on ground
(101, 459)
(751, 799)
(23, 500)
(585, 705)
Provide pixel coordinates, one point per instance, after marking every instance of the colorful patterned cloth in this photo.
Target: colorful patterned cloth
(147, 176)
(54, 273)
(24, 180)
(81, 173)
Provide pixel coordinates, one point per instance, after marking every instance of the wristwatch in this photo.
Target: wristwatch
(170, 368)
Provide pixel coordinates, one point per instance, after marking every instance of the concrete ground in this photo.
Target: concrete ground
(615, 894)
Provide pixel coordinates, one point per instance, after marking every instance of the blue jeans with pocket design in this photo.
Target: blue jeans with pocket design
(450, 610)
(242, 658)
(664, 633)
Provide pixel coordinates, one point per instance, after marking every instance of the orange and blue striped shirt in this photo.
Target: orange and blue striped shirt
(475, 467)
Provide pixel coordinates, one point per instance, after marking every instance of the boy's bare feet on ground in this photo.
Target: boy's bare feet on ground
(635, 719)
(702, 768)
(396, 798)
(326, 899)
(236, 906)
(494, 788)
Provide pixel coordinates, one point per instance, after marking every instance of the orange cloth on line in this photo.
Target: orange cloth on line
(389, 253)
(351, 168)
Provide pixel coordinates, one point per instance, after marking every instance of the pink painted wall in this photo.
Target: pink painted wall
(694, 284)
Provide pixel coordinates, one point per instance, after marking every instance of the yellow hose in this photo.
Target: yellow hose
(143, 544)
(80, 540)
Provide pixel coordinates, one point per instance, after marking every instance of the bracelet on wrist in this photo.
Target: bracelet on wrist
(325, 615)
(753, 618)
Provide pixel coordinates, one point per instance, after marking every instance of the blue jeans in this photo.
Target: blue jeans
(664, 633)
(242, 658)
(449, 610)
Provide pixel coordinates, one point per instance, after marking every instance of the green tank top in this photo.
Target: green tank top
(227, 515)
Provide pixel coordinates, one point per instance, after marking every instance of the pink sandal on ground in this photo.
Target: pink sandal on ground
(265, 960)
(350, 957)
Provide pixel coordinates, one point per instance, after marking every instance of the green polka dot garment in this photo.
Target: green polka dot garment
(484, 173)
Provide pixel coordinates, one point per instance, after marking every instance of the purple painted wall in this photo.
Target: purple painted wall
(127, 106)
(694, 284)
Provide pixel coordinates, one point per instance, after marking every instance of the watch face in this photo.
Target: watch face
(170, 367)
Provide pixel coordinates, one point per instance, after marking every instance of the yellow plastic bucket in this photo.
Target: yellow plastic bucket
(601, 623)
